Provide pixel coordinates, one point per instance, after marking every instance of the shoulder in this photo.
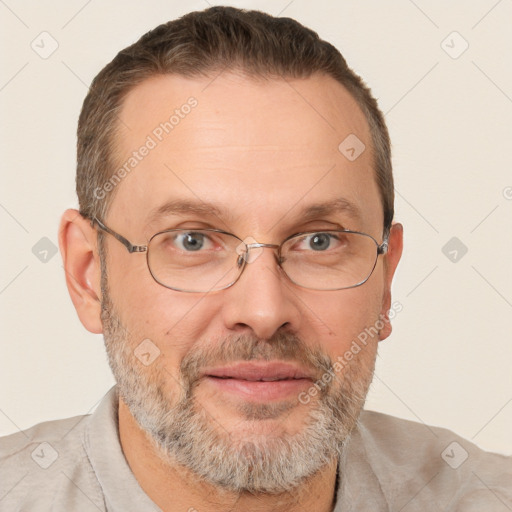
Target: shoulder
(426, 462)
(46, 462)
(41, 442)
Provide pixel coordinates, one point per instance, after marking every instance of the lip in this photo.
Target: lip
(259, 381)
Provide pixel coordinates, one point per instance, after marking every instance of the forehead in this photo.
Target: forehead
(256, 149)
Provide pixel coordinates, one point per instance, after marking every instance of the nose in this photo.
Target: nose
(263, 300)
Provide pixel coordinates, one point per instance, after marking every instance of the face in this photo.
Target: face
(232, 373)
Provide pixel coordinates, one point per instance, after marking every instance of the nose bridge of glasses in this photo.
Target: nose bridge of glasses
(250, 255)
(257, 245)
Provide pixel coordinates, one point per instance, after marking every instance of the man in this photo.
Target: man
(235, 246)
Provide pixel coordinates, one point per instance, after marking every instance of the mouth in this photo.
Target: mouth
(259, 381)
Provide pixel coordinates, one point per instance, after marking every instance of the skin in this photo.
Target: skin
(261, 151)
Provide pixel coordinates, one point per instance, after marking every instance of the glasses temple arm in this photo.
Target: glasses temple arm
(131, 248)
(383, 247)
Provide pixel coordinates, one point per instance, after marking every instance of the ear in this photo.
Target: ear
(391, 260)
(78, 245)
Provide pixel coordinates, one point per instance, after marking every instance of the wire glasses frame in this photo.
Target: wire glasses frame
(243, 249)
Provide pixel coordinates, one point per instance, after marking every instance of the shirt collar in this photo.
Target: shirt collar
(120, 487)
(357, 483)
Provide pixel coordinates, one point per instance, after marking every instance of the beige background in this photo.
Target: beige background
(449, 359)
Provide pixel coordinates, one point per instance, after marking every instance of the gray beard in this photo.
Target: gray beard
(183, 432)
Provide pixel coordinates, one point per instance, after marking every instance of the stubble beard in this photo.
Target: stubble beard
(183, 433)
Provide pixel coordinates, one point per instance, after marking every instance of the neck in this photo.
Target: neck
(175, 488)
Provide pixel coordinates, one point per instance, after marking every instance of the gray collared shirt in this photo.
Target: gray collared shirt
(390, 464)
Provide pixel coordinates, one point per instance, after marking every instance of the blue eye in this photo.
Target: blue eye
(190, 241)
(319, 241)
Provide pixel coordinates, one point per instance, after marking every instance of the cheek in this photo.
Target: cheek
(336, 320)
(173, 321)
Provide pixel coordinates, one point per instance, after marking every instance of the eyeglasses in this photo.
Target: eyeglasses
(204, 260)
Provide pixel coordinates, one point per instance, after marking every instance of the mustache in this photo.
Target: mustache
(245, 347)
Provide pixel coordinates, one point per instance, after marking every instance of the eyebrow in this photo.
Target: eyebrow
(182, 207)
(336, 206)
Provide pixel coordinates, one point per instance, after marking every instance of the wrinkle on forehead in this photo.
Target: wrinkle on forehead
(319, 106)
(259, 147)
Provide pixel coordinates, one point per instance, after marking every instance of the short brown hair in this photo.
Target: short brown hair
(201, 44)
